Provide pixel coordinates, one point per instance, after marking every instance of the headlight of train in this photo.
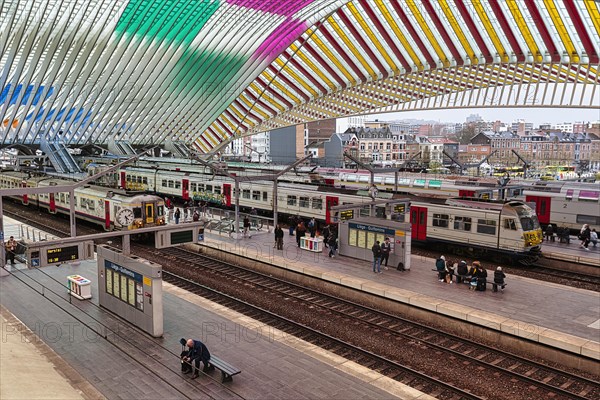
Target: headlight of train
(138, 223)
(160, 221)
(532, 238)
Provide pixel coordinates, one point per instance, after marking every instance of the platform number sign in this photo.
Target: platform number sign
(62, 254)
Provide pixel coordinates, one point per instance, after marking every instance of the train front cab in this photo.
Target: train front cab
(418, 222)
(542, 207)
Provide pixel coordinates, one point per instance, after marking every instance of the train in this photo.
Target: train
(507, 230)
(565, 204)
(107, 207)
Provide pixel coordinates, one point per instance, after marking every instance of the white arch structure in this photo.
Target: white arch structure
(209, 71)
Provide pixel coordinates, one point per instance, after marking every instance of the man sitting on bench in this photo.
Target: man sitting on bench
(190, 359)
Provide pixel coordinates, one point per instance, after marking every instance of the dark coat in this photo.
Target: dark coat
(278, 233)
(440, 264)
(462, 268)
(199, 352)
(376, 249)
(386, 248)
(499, 277)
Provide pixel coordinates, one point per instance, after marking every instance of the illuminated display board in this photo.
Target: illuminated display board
(62, 254)
(400, 208)
(346, 215)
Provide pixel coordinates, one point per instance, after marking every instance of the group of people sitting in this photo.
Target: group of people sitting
(475, 276)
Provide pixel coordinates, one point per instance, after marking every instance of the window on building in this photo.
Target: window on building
(462, 224)
(441, 220)
(486, 226)
(388, 146)
(291, 200)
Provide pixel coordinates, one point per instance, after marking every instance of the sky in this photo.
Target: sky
(536, 115)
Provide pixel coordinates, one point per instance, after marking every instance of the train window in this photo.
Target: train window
(209, 188)
(441, 220)
(170, 184)
(510, 224)
(200, 187)
(291, 200)
(255, 195)
(569, 195)
(305, 202)
(160, 211)
(193, 187)
(139, 179)
(128, 179)
(265, 196)
(145, 180)
(486, 226)
(177, 185)
(462, 224)
(317, 204)
(62, 197)
(588, 195)
(91, 204)
(164, 183)
(137, 212)
(245, 194)
(82, 202)
(587, 219)
(217, 189)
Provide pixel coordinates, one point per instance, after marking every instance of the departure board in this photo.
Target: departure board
(400, 208)
(345, 215)
(62, 254)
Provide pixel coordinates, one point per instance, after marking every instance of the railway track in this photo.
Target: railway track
(535, 378)
(566, 275)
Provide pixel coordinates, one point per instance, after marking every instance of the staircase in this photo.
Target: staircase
(121, 148)
(178, 148)
(59, 156)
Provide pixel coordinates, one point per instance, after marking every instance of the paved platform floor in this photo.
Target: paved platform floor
(526, 308)
(122, 363)
(572, 252)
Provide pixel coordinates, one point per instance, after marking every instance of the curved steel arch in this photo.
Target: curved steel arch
(208, 72)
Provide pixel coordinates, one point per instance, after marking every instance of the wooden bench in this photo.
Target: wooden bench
(227, 370)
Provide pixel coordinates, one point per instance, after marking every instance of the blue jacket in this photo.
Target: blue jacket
(199, 351)
(440, 264)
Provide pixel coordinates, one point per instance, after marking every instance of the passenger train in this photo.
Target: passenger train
(566, 204)
(109, 208)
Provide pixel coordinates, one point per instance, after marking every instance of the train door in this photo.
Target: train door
(123, 180)
(149, 213)
(25, 197)
(227, 194)
(52, 203)
(107, 215)
(185, 189)
(330, 201)
(418, 220)
(542, 207)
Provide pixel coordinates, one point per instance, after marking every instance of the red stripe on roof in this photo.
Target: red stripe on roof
(363, 43)
(323, 63)
(247, 112)
(342, 52)
(304, 72)
(514, 44)
(273, 92)
(264, 105)
(539, 22)
(581, 31)
(442, 30)
(285, 79)
(473, 29)
(414, 34)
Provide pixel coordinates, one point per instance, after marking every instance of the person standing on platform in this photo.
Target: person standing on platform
(549, 233)
(300, 232)
(499, 279)
(376, 249)
(196, 352)
(312, 227)
(292, 225)
(279, 237)
(10, 248)
(196, 216)
(440, 266)
(246, 225)
(386, 249)
(462, 271)
(326, 234)
(585, 236)
(177, 215)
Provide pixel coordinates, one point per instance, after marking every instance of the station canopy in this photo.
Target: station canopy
(204, 72)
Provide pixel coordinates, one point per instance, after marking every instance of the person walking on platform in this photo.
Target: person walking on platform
(376, 249)
(196, 352)
(332, 244)
(10, 248)
(177, 215)
(279, 237)
(300, 232)
(440, 266)
(326, 234)
(499, 276)
(386, 249)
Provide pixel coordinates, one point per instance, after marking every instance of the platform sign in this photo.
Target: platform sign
(178, 235)
(345, 215)
(40, 255)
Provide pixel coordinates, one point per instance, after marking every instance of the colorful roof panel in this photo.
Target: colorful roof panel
(206, 72)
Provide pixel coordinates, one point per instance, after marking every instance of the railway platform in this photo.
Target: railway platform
(554, 315)
(572, 252)
(121, 362)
